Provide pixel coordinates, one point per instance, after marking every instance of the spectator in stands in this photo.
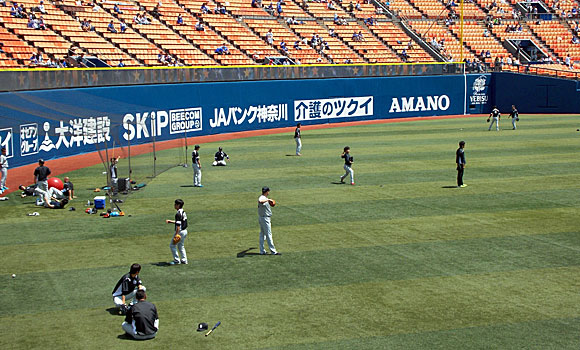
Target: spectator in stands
(255, 4)
(279, 8)
(297, 45)
(155, 12)
(111, 27)
(222, 50)
(350, 7)
(123, 26)
(16, 11)
(370, 21)
(84, 26)
(283, 46)
(96, 7)
(325, 46)
(179, 19)
(117, 9)
(32, 23)
(357, 6)
(361, 36)
(575, 40)
(485, 33)
(355, 36)
(314, 40)
(567, 61)
(342, 21)
(270, 9)
(330, 5)
(297, 61)
(270, 37)
(161, 57)
(405, 55)
(121, 64)
(204, 9)
(34, 58)
(292, 20)
(347, 61)
(332, 33)
(41, 24)
(199, 26)
(41, 8)
(3, 3)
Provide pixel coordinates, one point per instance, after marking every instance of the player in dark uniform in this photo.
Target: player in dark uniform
(181, 229)
(348, 160)
(28, 190)
(460, 160)
(142, 321)
(515, 117)
(298, 139)
(127, 287)
(68, 189)
(494, 116)
(220, 158)
(41, 174)
(196, 167)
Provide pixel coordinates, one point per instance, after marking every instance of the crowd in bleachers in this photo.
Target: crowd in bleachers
(239, 32)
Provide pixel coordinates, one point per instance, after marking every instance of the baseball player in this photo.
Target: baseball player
(298, 139)
(196, 167)
(180, 229)
(3, 170)
(126, 288)
(515, 117)
(41, 174)
(460, 160)
(264, 213)
(348, 159)
(220, 158)
(114, 174)
(495, 116)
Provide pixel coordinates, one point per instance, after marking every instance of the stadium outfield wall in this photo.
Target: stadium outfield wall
(59, 123)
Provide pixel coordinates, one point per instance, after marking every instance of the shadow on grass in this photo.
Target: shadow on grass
(161, 263)
(125, 336)
(187, 186)
(291, 155)
(114, 311)
(448, 186)
(246, 252)
(337, 183)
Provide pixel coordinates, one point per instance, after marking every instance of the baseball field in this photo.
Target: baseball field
(401, 260)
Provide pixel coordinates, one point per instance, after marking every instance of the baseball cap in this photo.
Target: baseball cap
(265, 189)
(202, 327)
(196, 146)
(41, 160)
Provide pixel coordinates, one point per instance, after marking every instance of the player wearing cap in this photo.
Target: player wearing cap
(3, 170)
(515, 117)
(68, 189)
(126, 288)
(220, 158)
(264, 213)
(114, 174)
(348, 160)
(460, 160)
(196, 167)
(298, 139)
(495, 116)
(181, 230)
(41, 174)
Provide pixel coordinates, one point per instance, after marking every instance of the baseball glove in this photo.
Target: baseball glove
(176, 238)
(517, 119)
(488, 120)
(272, 202)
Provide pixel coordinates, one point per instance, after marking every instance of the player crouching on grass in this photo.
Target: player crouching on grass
(126, 289)
(180, 234)
(220, 158)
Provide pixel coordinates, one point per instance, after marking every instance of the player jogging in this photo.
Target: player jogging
(348, 159)
(196, 167)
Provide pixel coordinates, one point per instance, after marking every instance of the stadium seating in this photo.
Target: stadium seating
(243, 29)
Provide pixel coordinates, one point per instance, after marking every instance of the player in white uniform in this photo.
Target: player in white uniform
(298, 139)
(196, 167)
(3, 170)
(495, 116)
(264, 214)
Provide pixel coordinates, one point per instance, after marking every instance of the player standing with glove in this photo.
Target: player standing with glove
(348, 160)
(178, 239)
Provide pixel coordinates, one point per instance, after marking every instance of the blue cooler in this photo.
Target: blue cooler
(100, 202)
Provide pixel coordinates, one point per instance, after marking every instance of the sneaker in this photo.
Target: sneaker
(464, 185)
(184, 262)
(175, 262)
(1, 191)
(352, 183)
(198, 185)
(263, 253)
(277, 253)
(341, 180)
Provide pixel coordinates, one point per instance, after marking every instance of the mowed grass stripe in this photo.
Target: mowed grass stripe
(79, 255)
(357, 311)
(251, 274)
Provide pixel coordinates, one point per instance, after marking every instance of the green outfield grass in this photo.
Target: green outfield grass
(399, 261)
